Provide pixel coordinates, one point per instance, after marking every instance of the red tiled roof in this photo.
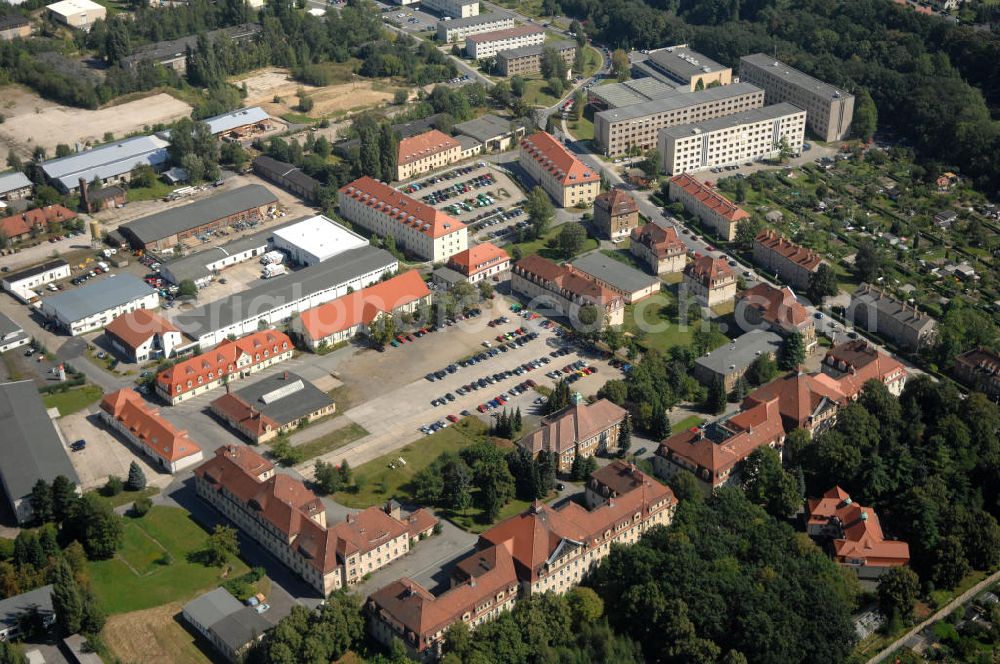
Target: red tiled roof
(363, 306)
(424, 145)
(800, 396)
(507, 33)
(222, 360)
(17, 225)
(402, 209)
(616, 202)
(710, 198)
(861, 532)
(561, 431)
(146, 424)
(562, 278)
(857, 362)
(709, 271)
(556, 159)
(366, 530)
(662, 241)
(807, 258)
(235, 409)
(136, 327)
(776, 306)
(477, 258)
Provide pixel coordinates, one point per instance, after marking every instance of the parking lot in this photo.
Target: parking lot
(105, 454)
(409, 18)
(484, 198)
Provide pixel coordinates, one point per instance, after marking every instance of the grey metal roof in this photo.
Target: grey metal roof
(12, 608)
(725, 122)
(486, 127)
(683, 63)
(237, 118)
(535, 49)
(104, 294)
(32, 271)
(635, 91)
(210, 608)
(9, 21)
(793, 76)
(274, 293)
(888, 306)
(194, 266)
(30, 448)
(300, 400)
(175, 48)
(676, 102)
(7, 326)
(473, 21)
(616, 273)
(448, 275)
(179, 219)
(467, 142)
(740, 352)
(13, 180)
(240, 628)
(107, 161)
(274, 169)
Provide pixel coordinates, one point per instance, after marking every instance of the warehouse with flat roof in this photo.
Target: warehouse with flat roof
(312, 240)
(166, 229)
(93, 306)
(111, 163)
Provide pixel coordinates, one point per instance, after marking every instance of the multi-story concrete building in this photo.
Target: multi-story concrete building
(453, 8)
(705, 202)
(629, 93)
(616, 214)
(416, 227)
(426, 152)
(14, 26)
(710, 280)
(793, 263)
(714, 453)
(482, 261)
(565, 178)
(689, 68)
(618, 129)
(79, 14)
(165, 446)
(830, 109)
(288, 520)
(87, 308)
(583, 430)
(488, 44)
(979, 368)
(231, 360)
(776, 309)
(456, 30)
(544, 549)
(729, 363)
(875, 310)
(528, 59)
(564, 290)
(747, 136)
(660, 249)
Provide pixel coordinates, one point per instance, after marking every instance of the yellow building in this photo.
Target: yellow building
(565, 178)
(426, 152)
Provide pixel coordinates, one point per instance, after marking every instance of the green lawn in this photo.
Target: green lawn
(74, 399)
(658, 332)
(536, 93)
(331, 441)
(140, 576)
(126, 497)
(686, 423)
(468, 520)
(583, 129)
(547, 246)
(156, 192)
(376, 482)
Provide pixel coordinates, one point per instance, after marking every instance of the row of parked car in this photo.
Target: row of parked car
(501, 399)
(440, 177)
(478, 182)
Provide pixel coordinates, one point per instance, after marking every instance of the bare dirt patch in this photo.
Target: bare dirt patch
(155, 636)
(264, 85)
(33, 121)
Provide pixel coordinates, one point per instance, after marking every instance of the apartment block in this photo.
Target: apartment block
(488, 44)
(528, 59)
(618, 129)
(565, 178)
(777, 309)
(616, 214)
(793, 263)
(660, 249)
(426, 152)
(578, 430)
(710, 280)
(746, 136)
(705, 202)
(416, 227)
(692, 70)
(563, 290)
(453, 8)
(830, 109)
(979, 368)
(875, 310)
(456, 30)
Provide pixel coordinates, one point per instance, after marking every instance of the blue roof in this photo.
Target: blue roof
(12, 181)
(78, 303)
(107, 161)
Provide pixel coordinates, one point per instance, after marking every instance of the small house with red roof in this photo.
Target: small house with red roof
(854, 534)
(710, 280)
(20, 226)
(348, 316)
(705, 202)
(565, 178)
(482, 261)
(616, 214)
(166, 446)
(659, 248)
(142, 335)
(778, 310)
(231, 360)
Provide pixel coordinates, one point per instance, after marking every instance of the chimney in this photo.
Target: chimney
(351, 518)
(84, 194)
(284, 376)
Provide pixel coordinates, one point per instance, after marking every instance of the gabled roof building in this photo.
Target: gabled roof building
(93, 306)
(625, 280)
(793, 263)
(616, 214)
(564, 291)
(778, 310)
(705, 202)
(142, 335)
(482, 261)
(979, 368)
(578, 430)
(659, 247)
(565, 178)
(111, 163)
(272, 405)
(874, 309)
(426, 152)
(710, 280)
(166, 446)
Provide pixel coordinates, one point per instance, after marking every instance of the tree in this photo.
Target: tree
(221, 544)
(187, 288)
(517, 86)
(382, 331)
(485, 290)
(867, 262)
(113, 486)
(652, 162)
(762, 370)
(615, 391)
(769, 485)
(305, 102)
(865, 121)
(94, 615)
(12, 653)
(746, 231)
(345, 473)
(716, 401)
(41, 501)
(136, 478)
(621, 68)
(822, 283)
(898, 589)
(327, 478)
(400, 97)
(555, 85)
(625, 436)
(67, 602)
(792, 352)
(559, 398)
(949, 563)
(540, 211)
(579, 102)
(92, 521)
(63, 497)
(571, 239)
(784, 150)
(585, 605)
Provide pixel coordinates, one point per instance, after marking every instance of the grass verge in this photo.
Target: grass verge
(547, 245)
(73, 400)
(126, 497)
(686, 423)
(330, 441)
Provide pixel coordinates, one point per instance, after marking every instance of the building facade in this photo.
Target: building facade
(287, 176)
(456, 30)
(564, 291)
(416, 227)
(793, 263)
(979, 368)
(487, 44)
(616, 214)
(875, 310)
(453, 8)
(166, 447)
(15, 185)
(729, 363)
(617, 277)
(660, 249)
(690, 69)
(494, 133)
(714, 210)
(482, 261)
(582, 430)
(426, 152)
(22, 284)
(748, 136)
(830, 109)
(528, 59)
(637, 125)
(24, 225)
(87, 308)
(565, 178)
(14, 26)
(776, 309)
(143, 335)
(78, 14)
(710, 280)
